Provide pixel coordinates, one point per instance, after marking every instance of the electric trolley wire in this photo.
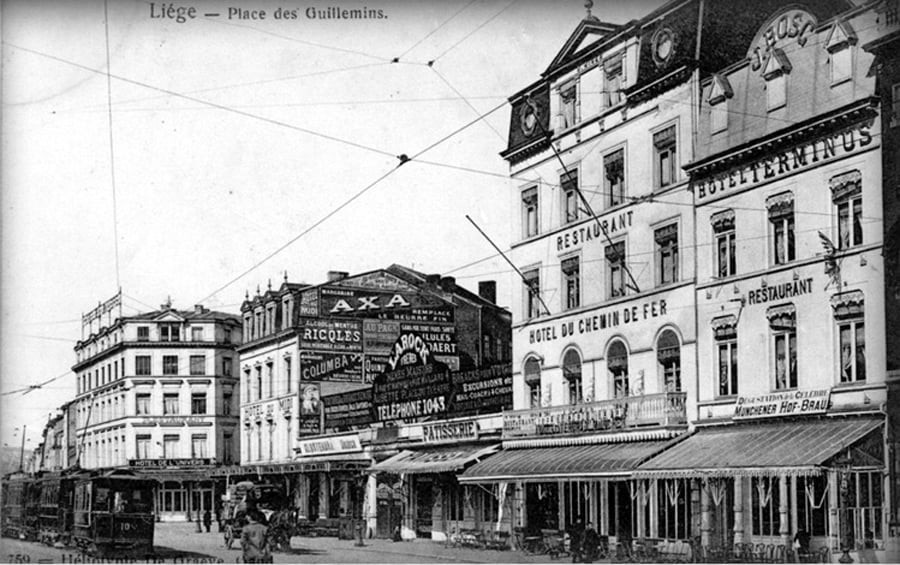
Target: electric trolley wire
(471, 33)
(112, 153)
(29, 388)
(204, 102)
(432, 32)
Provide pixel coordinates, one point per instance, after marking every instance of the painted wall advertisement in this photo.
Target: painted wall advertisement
(341, 301)
(311, 410)
(483, 390)
(331, 335)
(348, 409)
(331, 366)
(787, 403)
(415, 385)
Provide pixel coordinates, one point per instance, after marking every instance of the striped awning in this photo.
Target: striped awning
(433, 460)
(563, 462)
(785, 447)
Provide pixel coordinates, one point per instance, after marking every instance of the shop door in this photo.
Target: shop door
(387, 514)
(424, 507)
(624, 512)
(541, 507)
(721, 503)
(313, 498)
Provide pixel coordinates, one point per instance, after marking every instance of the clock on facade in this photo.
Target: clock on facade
(663, 46)
(528, 118)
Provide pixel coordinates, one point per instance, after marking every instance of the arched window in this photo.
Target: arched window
(668, 353)
(572, 374)
(532, 373)
(617, 363)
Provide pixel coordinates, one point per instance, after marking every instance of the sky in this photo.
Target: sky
(199, 160)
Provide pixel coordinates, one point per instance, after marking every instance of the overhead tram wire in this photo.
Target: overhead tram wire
(432, 32)
(205, 102)
(112, 153)
(29, 388)
(471, 33)
(403, 158)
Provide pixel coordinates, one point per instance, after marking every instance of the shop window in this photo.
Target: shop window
(723, 232)
(170, 446)
(864, 504)
(143, 333)
(781, 218)
(196, 334)
(170, 403)
(674, 508)
(765, 506)
(666, 239)
(572, 376)
(614, 75)
(812, 505)
(668, 354)
(532, 372)
(454, 502)
(571, 273)
(568, 106)
(532, 293)
(142, 404)
(614, 178)
(198, 403)
(775, 74)
(846, 193)
(488, 505)
(142, 365)
(569, 183)
(576, 501)
(725, 334)
(170, 364)
(617, 364)
(198, 446)
(530, 219)
(615, 260)
(666, 156)
(142, 446)
(169, 332)
(198, 365)
(849, 310)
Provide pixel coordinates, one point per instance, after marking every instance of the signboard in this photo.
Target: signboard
(330, 366)
(310, 420)
(105, 314)
(330, 445)
(438, 314)
(330, 335)
(348, 409)
(450, 432)
(604, 319)
(441, 339)
(374, 366)
(555, 420)
(309, 303)
(787, 403)
(164, 463)
(791, 25)
(341, 301)
(174, 421)
(483, 390)
(414, 386)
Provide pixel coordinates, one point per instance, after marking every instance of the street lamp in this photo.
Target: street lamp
(844, 516)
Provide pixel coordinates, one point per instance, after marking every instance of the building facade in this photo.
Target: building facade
(158, 393)
(314, 414)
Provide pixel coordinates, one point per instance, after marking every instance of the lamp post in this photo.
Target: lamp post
(844, 516)
(361, 480)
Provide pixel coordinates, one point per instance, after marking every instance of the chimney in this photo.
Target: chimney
(433, 280)
(488, 291)
(334, 276)
(448, 283)
(199, 309)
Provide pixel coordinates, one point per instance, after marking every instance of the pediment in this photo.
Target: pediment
(169, 316)
(841, 34)
(377, 280)
(589, 31)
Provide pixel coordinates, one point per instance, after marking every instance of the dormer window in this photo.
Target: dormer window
(169, 332)
(775, 74)
(719, 93)
(838, 46)
(614, 73)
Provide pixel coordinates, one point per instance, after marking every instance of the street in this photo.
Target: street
(180, 543)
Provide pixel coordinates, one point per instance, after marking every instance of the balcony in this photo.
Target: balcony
(620, 414)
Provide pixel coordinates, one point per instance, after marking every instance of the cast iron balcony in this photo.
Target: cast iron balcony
(629, 413)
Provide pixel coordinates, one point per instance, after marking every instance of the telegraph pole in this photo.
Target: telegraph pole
(22, 450)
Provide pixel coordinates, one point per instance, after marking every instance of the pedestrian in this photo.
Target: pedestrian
(207, 519)
(254, 540)
(576, 531)
(590, 541)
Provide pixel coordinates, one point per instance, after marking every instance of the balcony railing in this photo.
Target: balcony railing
(629, 413)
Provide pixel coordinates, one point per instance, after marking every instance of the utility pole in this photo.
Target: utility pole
(22, 450)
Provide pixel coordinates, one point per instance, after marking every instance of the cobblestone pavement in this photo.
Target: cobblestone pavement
(180, 543)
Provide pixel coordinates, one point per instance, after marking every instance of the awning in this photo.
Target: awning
(571, 461)
(760, 448)
(326, 463)
(434, 460)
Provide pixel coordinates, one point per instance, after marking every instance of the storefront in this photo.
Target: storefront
(185, 488)
(772, 482)
(418, 494)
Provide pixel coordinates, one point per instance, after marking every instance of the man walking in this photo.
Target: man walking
(254, 540)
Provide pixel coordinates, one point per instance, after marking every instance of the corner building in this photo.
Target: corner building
(790, 437)
(156, 392)
(603, 327)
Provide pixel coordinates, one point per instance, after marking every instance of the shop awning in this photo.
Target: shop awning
(564, 462)
(326, 463)
(760, 448)
(434, 460)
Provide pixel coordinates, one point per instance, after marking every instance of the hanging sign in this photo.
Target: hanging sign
(787, 403)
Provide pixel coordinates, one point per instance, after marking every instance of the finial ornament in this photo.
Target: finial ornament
(588, 4)
(285, 275)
